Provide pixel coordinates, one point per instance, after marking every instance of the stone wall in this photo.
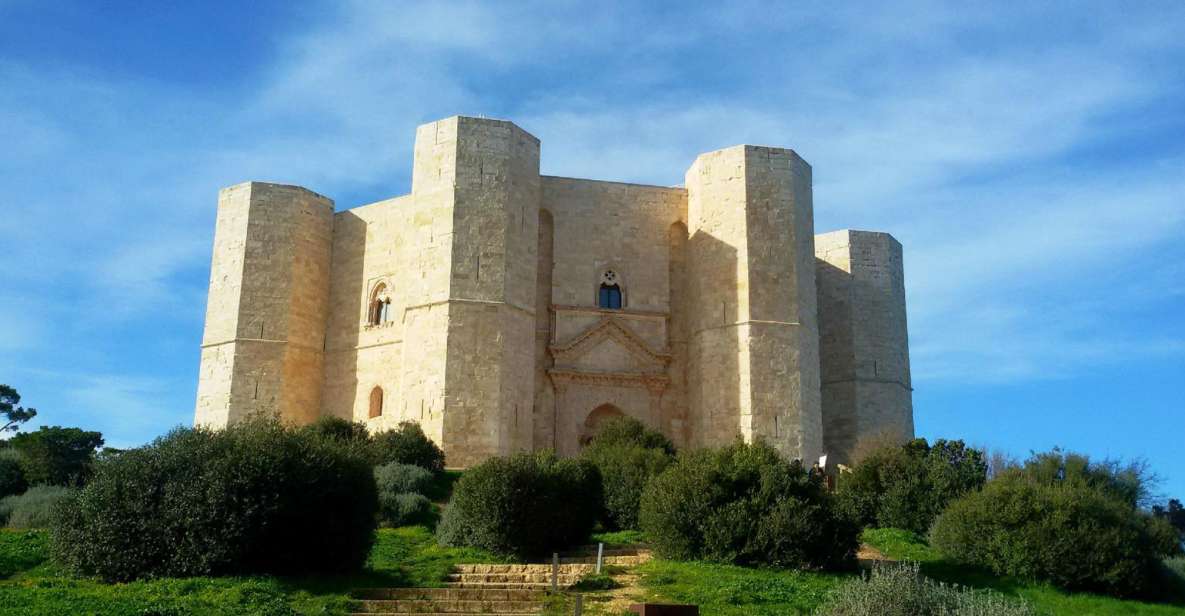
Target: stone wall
(753, 344)
(265, 318)
(864, 341)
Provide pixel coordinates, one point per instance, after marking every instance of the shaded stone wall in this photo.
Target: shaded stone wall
(864, 341)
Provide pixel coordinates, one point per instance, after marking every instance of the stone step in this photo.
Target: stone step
(621, 561)
(564, 569)
(451, 594)
(512, 578)
(405, 606)
(586, 550)
(501, 585)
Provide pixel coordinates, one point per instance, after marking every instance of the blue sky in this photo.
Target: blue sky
(1032, 162)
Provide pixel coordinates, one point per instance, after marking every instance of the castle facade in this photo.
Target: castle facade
(503, 310)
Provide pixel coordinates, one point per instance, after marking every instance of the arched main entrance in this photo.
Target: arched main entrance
(592, 423)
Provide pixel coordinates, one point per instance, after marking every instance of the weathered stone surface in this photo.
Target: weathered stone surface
(489, 331)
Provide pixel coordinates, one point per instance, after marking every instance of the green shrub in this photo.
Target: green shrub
(627, 454)
(1068, 533)
(899, 590)
(400, 489)
(908, 486)
(32, 509)
(630, 431)
(256, 497)
(395, 478)
(407, 445)
(12, 477)
(58, 456)
(745, 504)
(529, 504)
(406, 509)
(340, 429)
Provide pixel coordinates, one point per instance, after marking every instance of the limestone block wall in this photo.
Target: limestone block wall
(864, 341)
(599, 226)
(753, 364)
(403, 244)
(268, 300)
(490, 366)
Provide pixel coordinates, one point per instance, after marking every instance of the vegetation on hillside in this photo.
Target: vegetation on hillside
(746, 504)
(257, 497)
(529, 504)
(627, 454)
(1062, 519)
(907, 486)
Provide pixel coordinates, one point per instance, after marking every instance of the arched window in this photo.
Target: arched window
(376, 402)
(610, 293)
(379, 311)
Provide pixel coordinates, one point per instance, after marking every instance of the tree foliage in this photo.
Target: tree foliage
(58, 456)
(908, 486)
(257, 497)
(526, 505)
(11, 414)
(407, 444)
(1060, 518)
(627, 454)
(745, 504)
(1173, 513)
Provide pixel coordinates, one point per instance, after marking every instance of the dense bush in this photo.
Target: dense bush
(908, 486)
(396, 478)
(58, 456)
(627, 454)
(1172, 512)
(401, 489)
(12, 477)
(899, 590)
(529, 504)
(340, 429)
(407, 445)
(32, 509)
(406, 509)
(1079, 535)
(745, 504)
(254, 498)
(630, 431)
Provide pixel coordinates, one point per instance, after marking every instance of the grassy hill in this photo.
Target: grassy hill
(31, 585)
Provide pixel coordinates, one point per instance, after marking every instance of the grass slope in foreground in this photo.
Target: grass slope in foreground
(31, 585)
(904, 545)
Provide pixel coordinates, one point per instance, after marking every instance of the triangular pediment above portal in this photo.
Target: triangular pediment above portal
(609, 346)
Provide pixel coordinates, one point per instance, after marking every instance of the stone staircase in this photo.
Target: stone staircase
(490, 589)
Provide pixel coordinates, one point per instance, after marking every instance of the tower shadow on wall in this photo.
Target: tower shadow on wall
(714, 345)
(343, 334)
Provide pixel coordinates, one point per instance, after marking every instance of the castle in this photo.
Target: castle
(503, 310)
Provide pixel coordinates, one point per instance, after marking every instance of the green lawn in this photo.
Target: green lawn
(30, 585)
(904, 545)
(726, 590)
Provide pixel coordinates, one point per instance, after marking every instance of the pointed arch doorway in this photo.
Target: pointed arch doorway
(598, 416)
